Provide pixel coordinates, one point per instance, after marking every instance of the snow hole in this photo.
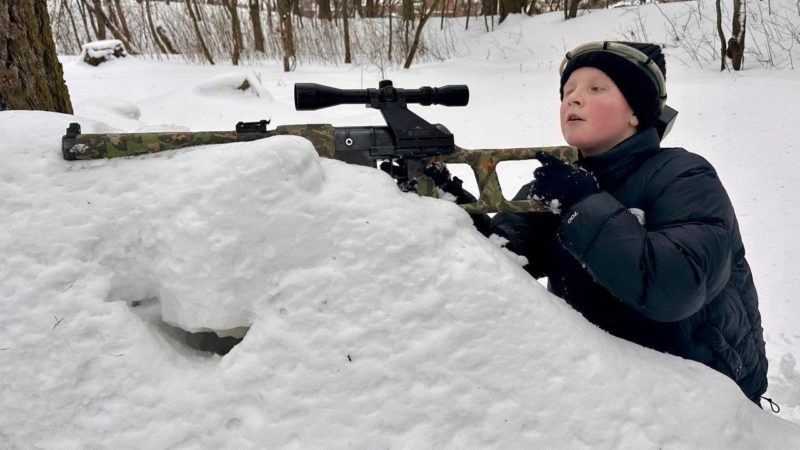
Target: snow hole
(211, 342)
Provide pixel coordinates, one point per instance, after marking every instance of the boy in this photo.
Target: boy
(643, 241)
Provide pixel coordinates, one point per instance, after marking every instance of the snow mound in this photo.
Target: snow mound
(113, 106)
(230, 84)
(377, 318)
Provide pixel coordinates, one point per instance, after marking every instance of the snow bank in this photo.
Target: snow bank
(377, 318)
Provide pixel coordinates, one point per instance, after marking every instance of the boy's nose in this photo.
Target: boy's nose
(573, 99)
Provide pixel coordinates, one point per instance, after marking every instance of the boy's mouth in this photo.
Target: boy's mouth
(573, 118)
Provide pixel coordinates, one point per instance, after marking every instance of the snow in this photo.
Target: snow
(103, 49)
(373, 318)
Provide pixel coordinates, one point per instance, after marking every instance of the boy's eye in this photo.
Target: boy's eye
(596, 88)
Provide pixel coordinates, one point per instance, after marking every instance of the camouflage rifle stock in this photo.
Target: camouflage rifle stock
(407, 137)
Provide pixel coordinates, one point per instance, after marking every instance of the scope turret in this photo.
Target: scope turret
(311, 96)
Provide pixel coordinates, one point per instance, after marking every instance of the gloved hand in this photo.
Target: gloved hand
(397, 170)
(438, 172)
(558, 185)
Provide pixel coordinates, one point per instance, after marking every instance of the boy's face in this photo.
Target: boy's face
(594, 114)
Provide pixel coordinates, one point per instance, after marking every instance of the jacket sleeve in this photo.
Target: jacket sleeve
(668, 269)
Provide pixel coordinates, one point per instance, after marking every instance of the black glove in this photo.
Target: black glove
(437, 171)
(397, 170)
(558, 185)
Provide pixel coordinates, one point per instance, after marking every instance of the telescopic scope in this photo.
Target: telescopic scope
(311, 96)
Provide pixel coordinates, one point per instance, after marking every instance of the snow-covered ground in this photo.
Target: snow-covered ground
(373, 318)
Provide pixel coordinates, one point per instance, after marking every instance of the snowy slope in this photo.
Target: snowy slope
(376, 318)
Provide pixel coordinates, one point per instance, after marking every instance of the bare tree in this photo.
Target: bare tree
(65, 4)
(159, 34)
(735, 49)
(269, 16)
(347, 56)
(423, 18)
(121, 20)
(509, 7)
(324, 11)
(255, 18)
(236, 30)
(162, 35)
(101, 18)
(391, 34)
(198, 34)
(721, 34)
(287, 34)
(571, 9)
(408, 19)
(30, 75)
(96, 13)
(153, 32)
(488, 7)
(82, 10)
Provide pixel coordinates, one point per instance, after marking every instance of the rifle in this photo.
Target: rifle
(407, 139)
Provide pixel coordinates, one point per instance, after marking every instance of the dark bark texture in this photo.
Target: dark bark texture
(30, 75)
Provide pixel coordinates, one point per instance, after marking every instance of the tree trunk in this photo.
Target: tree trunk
(162, 34)
(487, 7)
(573, 8)
(721, 34)
(269, 17)
(735, 49)
(99, 17)
(30, 75)
(122, 21)
(509, 7)
(111, 16)
(255, 18)
(236, 30)
(418, 34)
(391, 37)
(152, 28)
(198, 34)
(324, 12)
(347, 56)
(408, 10)
(408, 20)
(72, 22)
(287, 36)
(82, 10)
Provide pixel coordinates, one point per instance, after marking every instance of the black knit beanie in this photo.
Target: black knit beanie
(639, 89)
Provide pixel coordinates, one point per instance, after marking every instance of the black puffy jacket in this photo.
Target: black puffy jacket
(655, 257)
